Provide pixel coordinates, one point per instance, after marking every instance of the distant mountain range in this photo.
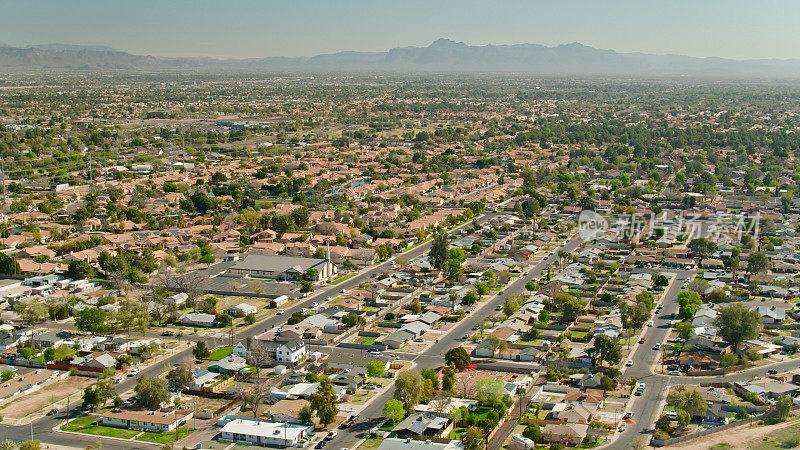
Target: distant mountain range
(442, 56)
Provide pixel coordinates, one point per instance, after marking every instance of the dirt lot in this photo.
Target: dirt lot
(39, 400)
(744, 437)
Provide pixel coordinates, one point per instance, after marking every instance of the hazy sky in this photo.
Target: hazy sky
(250, 28)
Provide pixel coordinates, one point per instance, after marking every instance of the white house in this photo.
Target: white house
(273, 434)
(155, 421)
(241, 310)
(291, 352)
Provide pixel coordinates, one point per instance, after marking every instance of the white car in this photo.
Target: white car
(650, 324)
(629, 363)
(374, 352)
(133, 373)
(281, 311)
(315, 304)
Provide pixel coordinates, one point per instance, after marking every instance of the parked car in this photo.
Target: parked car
(627, 415)
(629, 363)
(419, 340)
(772, 372)
(641, 341)
(281, 311)
(315, 304)
(321, 444)
(675, 373)
(466, 336)
(657, 347)
(52, 411)
(133, 373)
(331, 435)
(392, 355)
(167, 333)
(374, 352)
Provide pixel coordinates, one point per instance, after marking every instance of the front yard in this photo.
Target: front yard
(86, 425)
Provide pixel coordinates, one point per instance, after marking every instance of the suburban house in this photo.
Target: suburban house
(231, 364)
(241, 310)
(291, 352)
(155, 421)
(198, 319)
(288, 268)
(263, 433)
(567, 434)
(286, 411)
(423, 424)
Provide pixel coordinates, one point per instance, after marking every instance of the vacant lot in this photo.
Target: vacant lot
(41, 399)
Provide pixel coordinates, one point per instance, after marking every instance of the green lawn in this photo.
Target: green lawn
(387, 426)
(371, 443)
(361, 397)
(343, 278)
(86, 425)
(166, 437)
(219, 353)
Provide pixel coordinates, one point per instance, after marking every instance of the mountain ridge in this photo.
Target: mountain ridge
(442, 55)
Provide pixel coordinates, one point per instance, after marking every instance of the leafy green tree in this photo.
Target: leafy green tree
(757, 262)
(683, 418)
(179, 379)
(473, 438)
(457, 357)
(92, 320)
(783, 406)
(201, 351)
(375, 368)
(305, 415)
(533, 432)
(8, 265)
(688, 301)
(79, 270)
(295, 318)
(510, 306)
(409, 388)
(489, 391)
(393, 411)
(702, 247)
(571, 308)
(737, 324)
(91, 398)
(323, 403)
(470, 298)
(6, 375)
(438, 253)
(152, 391)
(224, 320)
(448, 379)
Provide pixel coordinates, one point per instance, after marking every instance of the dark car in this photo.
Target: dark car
(168, 333)
(321, 444)
(52, 411)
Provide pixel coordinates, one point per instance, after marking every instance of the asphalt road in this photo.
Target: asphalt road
(43, 427)
(645, 408)
(433, 356)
